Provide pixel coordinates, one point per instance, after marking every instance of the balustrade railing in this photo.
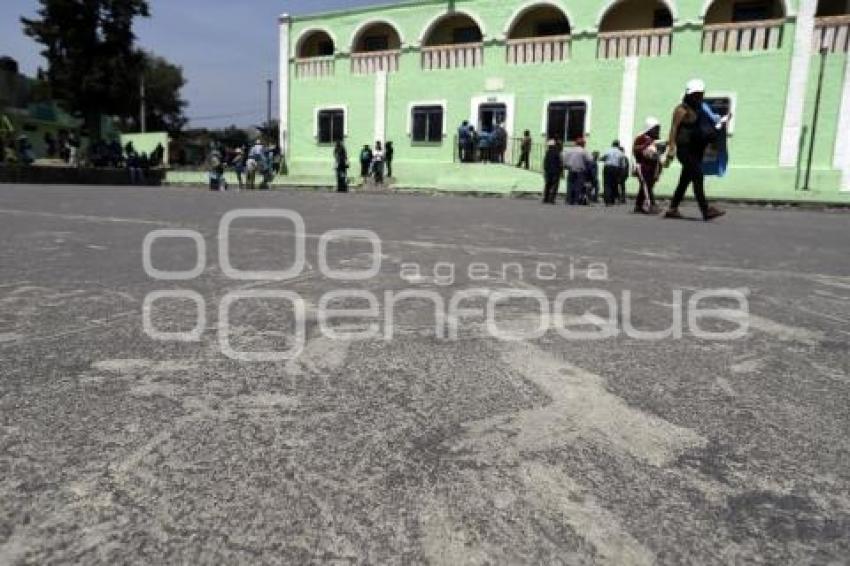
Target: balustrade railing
(549, 49)
(372, 62)
(746, 36)
(457, 56)
(833, 33)
(637, 43)
(314, 67)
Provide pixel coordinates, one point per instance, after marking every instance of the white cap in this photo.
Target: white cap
(651, 122)
(696, 85)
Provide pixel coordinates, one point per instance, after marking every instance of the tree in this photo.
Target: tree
(88, 44)
(163, 102)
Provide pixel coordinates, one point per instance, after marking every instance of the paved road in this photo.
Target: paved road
(117, 448)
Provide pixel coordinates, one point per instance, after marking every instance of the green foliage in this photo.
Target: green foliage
(89, 47)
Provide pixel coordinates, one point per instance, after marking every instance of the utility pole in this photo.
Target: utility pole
(823, 53)
(143, 111)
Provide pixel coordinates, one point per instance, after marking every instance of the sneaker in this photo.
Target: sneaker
(713, 213)
(674, 214)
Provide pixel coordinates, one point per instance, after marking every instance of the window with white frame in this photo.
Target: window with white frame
(723, 105)
(427, 122)
(566, 120)
(330, 126)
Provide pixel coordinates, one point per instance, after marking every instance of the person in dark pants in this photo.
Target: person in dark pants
(378, 164)
(463, 142)
(525, 151)
(688, 142)
(593, 179)
(389, 152)
(577, 162)
(552, 171)
(612, 164)
(365, 161)
(341, 159)
(625, 171)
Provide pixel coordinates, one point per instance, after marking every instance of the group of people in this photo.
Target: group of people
(486, 146)
(250, 164)
(695, 127)
(375, 163)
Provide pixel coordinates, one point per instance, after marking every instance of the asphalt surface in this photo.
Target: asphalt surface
(116, 448)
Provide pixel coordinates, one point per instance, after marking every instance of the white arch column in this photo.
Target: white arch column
(380, 106)
(628, 100)
(792, 126)
(842, 144)
(284, 24)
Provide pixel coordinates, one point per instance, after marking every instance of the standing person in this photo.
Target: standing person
(577, 162)
(593, 184)
(341, 167)
(463, 142)
(50, 144)
(471, 144)
(238, 164)
(612, 162)
(389, 154)
(525, 151)
(625, 171)
(485, 146)
(553, 168)
(499, 143)
(365, 161)
(216, 171)
(648, 166)
(378, 164)
(692, 130)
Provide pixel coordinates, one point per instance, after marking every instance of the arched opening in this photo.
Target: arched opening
(737, 11)
(832, 26)
(315, 55)
(743, 25)
(377, 36)
(453, 29)
(316, 43)
(539, 34)
(543, 20)
(636, 28)
(452, 41)
(376, 47)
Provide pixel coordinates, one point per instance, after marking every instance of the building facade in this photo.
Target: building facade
(411, 72)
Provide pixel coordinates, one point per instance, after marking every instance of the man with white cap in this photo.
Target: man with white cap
(648, 168)
(690, 134)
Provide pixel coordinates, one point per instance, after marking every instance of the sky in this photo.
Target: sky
(227, 48)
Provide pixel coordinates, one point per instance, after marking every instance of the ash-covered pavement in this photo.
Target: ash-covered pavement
(417, 448)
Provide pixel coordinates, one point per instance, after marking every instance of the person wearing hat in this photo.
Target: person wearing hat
(648, 159)
(690, 134)
(577, 164)
(552, 171)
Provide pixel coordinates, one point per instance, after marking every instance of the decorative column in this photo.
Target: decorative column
(628, 101)
(842, 144)
(792, 126)
(380, 106)
(284, 25)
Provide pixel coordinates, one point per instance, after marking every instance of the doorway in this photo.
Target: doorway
(490, 114)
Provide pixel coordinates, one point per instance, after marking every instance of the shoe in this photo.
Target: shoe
(674, 214)
(713, 213)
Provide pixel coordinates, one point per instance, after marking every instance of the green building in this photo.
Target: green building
(411, 72)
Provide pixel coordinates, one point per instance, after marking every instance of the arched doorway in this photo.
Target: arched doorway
(636, 28)
(453, 40)
(315, 51)
(540, 33)
(735, 25)
(376, 47)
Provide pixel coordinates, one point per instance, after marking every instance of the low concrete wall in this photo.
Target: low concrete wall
(35, 175)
